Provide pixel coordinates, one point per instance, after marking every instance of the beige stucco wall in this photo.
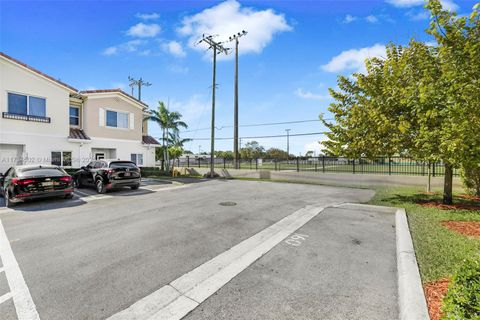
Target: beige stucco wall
(91, 111)
(16, 79)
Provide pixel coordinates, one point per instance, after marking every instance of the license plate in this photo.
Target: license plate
(126, 174)
(47, 184)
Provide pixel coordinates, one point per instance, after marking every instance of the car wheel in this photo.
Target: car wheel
(69, 196)
(100, 186)
(135, 187)
(8, 202)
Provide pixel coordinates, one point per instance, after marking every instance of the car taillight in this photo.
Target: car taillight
(21, 182)
(110, 171)
(67, 178)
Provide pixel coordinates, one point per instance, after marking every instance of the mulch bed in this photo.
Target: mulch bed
(434, 293)
(467, 228)
(455, 206)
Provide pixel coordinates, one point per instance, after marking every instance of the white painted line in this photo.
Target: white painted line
(82, 193)
(21, 295)
(5, 297)
(184, 294)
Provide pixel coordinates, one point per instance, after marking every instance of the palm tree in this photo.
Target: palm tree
(167, 120)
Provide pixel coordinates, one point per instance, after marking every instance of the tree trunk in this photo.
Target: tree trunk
(429, 181)
(448, 185)
(163, 144)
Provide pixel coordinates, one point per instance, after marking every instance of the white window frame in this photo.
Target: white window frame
(117, 111)
(62, 158)
(28, 102)
(69, 116)
(136, 158)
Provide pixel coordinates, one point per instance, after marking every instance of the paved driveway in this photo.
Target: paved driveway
(95, 256)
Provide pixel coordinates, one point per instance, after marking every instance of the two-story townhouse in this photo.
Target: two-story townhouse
(44, 120)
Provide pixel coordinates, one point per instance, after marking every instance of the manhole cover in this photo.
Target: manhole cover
(228, 204)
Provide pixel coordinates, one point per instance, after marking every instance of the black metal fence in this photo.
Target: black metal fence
(380, 165)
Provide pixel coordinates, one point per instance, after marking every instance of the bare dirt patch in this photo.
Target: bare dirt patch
(434, 293)
(467, 228)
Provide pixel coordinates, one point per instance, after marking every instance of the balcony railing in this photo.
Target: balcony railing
(25, 117)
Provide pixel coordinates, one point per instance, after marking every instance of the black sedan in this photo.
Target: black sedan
(28, 182)
(105, 175)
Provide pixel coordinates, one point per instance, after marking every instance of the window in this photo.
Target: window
(26, 105)
(62, 158)
(137, 158)
(117, 119)
(74, 116)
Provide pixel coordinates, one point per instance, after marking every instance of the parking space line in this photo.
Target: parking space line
(5, 297)
(187, 292)
(24, 305)
(82, 193)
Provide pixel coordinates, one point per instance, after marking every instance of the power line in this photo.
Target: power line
(271, 136)
(259, 124)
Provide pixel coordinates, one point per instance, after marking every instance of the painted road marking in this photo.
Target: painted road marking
(21, 295)
(5, 297)
(187, 292)
(296, 239)
(82, 193)
(2, 269)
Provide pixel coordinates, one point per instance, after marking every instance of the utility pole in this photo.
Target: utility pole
(235, 117)
(288, 143)
(139, 83)
(217, 48)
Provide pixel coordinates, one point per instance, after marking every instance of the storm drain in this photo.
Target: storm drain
(228, 204)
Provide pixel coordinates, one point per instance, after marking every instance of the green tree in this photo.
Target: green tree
(418, 100)
(168, 121)
(276, 153)
(252, 150)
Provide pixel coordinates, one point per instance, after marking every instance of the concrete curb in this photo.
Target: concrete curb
(410, 291)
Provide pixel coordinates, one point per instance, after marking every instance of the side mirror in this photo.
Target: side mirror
(83, 168)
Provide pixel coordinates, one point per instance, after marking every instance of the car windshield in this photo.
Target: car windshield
(122, 164)
(40, 172)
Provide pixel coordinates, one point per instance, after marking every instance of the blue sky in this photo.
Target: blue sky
(292, 54)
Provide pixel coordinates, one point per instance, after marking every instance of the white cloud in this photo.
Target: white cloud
(354, 59)
(371, 19)
(175, 48)
(315, 146)
(143, 30)
(110, 51)
(191, 109)
(178, 69)
(447, 4)
(417, 16)
(309, 95)
(148, 16)
(349, 18)
(129, 46)
(228, 18)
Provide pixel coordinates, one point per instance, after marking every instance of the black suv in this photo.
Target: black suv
(105, 175)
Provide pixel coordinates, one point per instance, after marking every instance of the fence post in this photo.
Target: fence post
(316, 166)
(323, 164)
(353, 167)
(298, 166)
(250, 164)
(256, 164)
(198, 162)
(224, 163)
(188, 161)
(433, 169)
(275, 161)
(389, 166)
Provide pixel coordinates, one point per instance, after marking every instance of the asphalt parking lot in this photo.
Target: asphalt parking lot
(222, 249)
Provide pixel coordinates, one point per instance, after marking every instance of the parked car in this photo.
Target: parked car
(105, 175)
(29, 182)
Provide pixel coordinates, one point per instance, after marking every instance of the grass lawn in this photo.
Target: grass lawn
(439, 250)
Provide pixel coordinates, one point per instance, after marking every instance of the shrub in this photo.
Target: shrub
(471, 179)
(462, 300)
